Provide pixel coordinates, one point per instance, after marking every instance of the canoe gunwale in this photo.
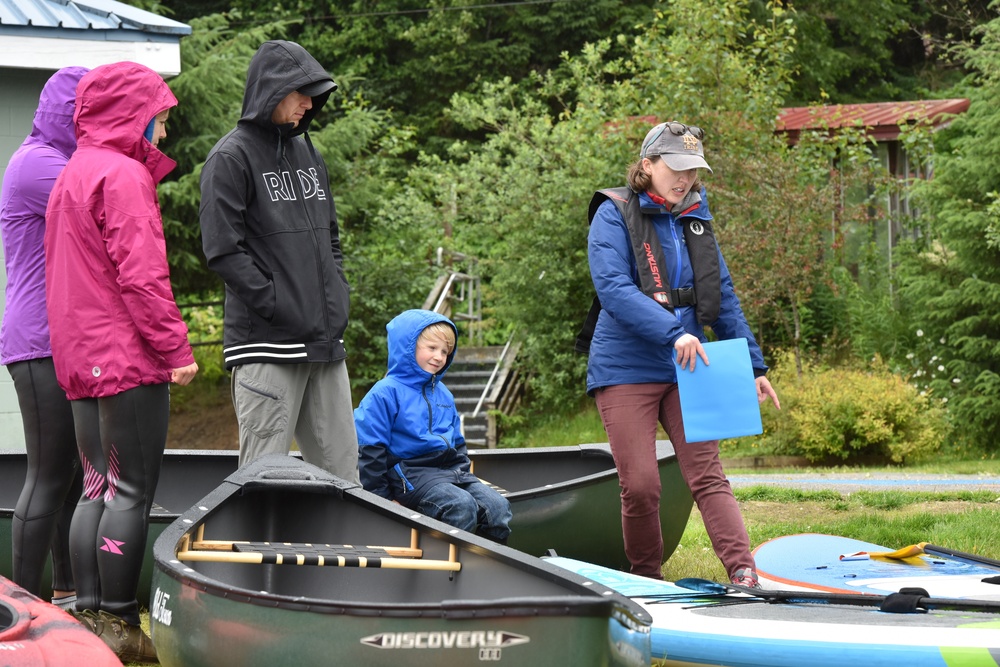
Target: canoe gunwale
(664, 453)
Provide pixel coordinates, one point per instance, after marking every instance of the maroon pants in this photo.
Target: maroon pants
(630, 414)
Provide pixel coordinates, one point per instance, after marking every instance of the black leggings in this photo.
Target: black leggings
(121, 440)
(53, 481)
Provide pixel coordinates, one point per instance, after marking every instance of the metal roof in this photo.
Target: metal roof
(85, 15)
(882, 120)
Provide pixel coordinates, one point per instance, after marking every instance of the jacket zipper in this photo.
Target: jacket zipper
(430, 411)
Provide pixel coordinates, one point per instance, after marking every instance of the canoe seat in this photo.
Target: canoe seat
(499, 489)
(344, 555)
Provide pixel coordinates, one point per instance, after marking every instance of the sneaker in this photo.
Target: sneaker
(746, 578)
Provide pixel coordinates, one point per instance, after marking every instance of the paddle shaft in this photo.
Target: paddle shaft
(854, 599)
(961, 555)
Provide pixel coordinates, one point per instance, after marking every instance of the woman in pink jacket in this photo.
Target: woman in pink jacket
(118, 339)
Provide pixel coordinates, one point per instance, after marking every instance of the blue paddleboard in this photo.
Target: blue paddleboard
(738, 630)
(834, 564)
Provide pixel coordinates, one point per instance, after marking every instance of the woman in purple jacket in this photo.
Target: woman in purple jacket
(53, 481)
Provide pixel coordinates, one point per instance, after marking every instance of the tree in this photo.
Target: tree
(521, 196)
(953, 276)
(411, 56)
(859, 51)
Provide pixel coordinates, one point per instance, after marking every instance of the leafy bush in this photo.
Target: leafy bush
(849, 415)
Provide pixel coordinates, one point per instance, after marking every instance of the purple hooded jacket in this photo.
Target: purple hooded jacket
(27, 182)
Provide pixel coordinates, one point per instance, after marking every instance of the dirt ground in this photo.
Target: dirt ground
(206, 423)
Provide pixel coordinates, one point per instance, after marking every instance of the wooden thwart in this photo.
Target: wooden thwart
(499, 489)
(304, 553)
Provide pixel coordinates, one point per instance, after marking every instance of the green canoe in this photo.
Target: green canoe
(567, 499)
(564, 499)
(285, 564)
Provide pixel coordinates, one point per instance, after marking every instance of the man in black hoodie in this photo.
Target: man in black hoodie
(269, 229)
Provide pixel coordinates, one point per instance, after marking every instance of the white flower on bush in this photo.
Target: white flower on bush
(920, 332)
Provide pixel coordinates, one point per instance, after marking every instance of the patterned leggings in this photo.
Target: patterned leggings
(121, 440)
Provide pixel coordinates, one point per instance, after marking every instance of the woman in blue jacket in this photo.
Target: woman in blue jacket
(631, 371)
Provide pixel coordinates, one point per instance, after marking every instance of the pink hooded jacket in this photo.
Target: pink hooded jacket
(113, 320)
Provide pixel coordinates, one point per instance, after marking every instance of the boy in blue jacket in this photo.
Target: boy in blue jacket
(411, 447)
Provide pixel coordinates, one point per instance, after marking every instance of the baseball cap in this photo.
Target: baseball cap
(318, 87)
(676, 144)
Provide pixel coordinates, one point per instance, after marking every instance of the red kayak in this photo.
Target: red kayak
(35, 633)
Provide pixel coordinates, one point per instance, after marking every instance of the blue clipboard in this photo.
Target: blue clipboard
(719, 400)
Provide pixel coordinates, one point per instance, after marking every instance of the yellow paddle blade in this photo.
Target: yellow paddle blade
(901, 554)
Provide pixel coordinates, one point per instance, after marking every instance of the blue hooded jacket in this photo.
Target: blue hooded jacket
(409, 430)
(634, 336)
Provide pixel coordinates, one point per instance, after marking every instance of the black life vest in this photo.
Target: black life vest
(706, 296)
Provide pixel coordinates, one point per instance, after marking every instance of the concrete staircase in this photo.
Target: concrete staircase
(484, 381)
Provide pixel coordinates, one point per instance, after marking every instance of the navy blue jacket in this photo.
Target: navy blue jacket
(409, 430)
(634, 336)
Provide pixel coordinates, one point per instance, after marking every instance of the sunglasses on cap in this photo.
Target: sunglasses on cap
(681, 128)
(676, 129)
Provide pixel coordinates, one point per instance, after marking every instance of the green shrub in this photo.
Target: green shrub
(852, 415)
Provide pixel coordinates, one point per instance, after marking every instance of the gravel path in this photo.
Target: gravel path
(850, 482)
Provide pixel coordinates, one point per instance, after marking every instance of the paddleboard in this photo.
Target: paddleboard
(734, 629)
(813, 561)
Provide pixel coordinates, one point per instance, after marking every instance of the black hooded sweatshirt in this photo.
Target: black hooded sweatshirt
(269, 226)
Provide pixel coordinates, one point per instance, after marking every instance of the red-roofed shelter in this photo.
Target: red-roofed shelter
(882, 120)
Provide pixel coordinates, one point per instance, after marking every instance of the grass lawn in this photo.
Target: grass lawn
(964, 521)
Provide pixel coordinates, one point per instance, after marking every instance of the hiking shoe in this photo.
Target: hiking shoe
(87, 617)
(127, 641)
(746, 577)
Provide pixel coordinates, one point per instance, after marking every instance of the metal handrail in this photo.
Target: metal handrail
(446, 290)
(489, 383)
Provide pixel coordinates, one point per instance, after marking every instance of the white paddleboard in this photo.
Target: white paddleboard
(813, 561)
(739, 630)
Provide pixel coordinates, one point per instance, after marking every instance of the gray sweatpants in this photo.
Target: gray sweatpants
(310, 403)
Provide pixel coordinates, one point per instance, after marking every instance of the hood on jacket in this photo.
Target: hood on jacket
(114, 104)
(53, 123)
(404, 330)
(278, 68)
